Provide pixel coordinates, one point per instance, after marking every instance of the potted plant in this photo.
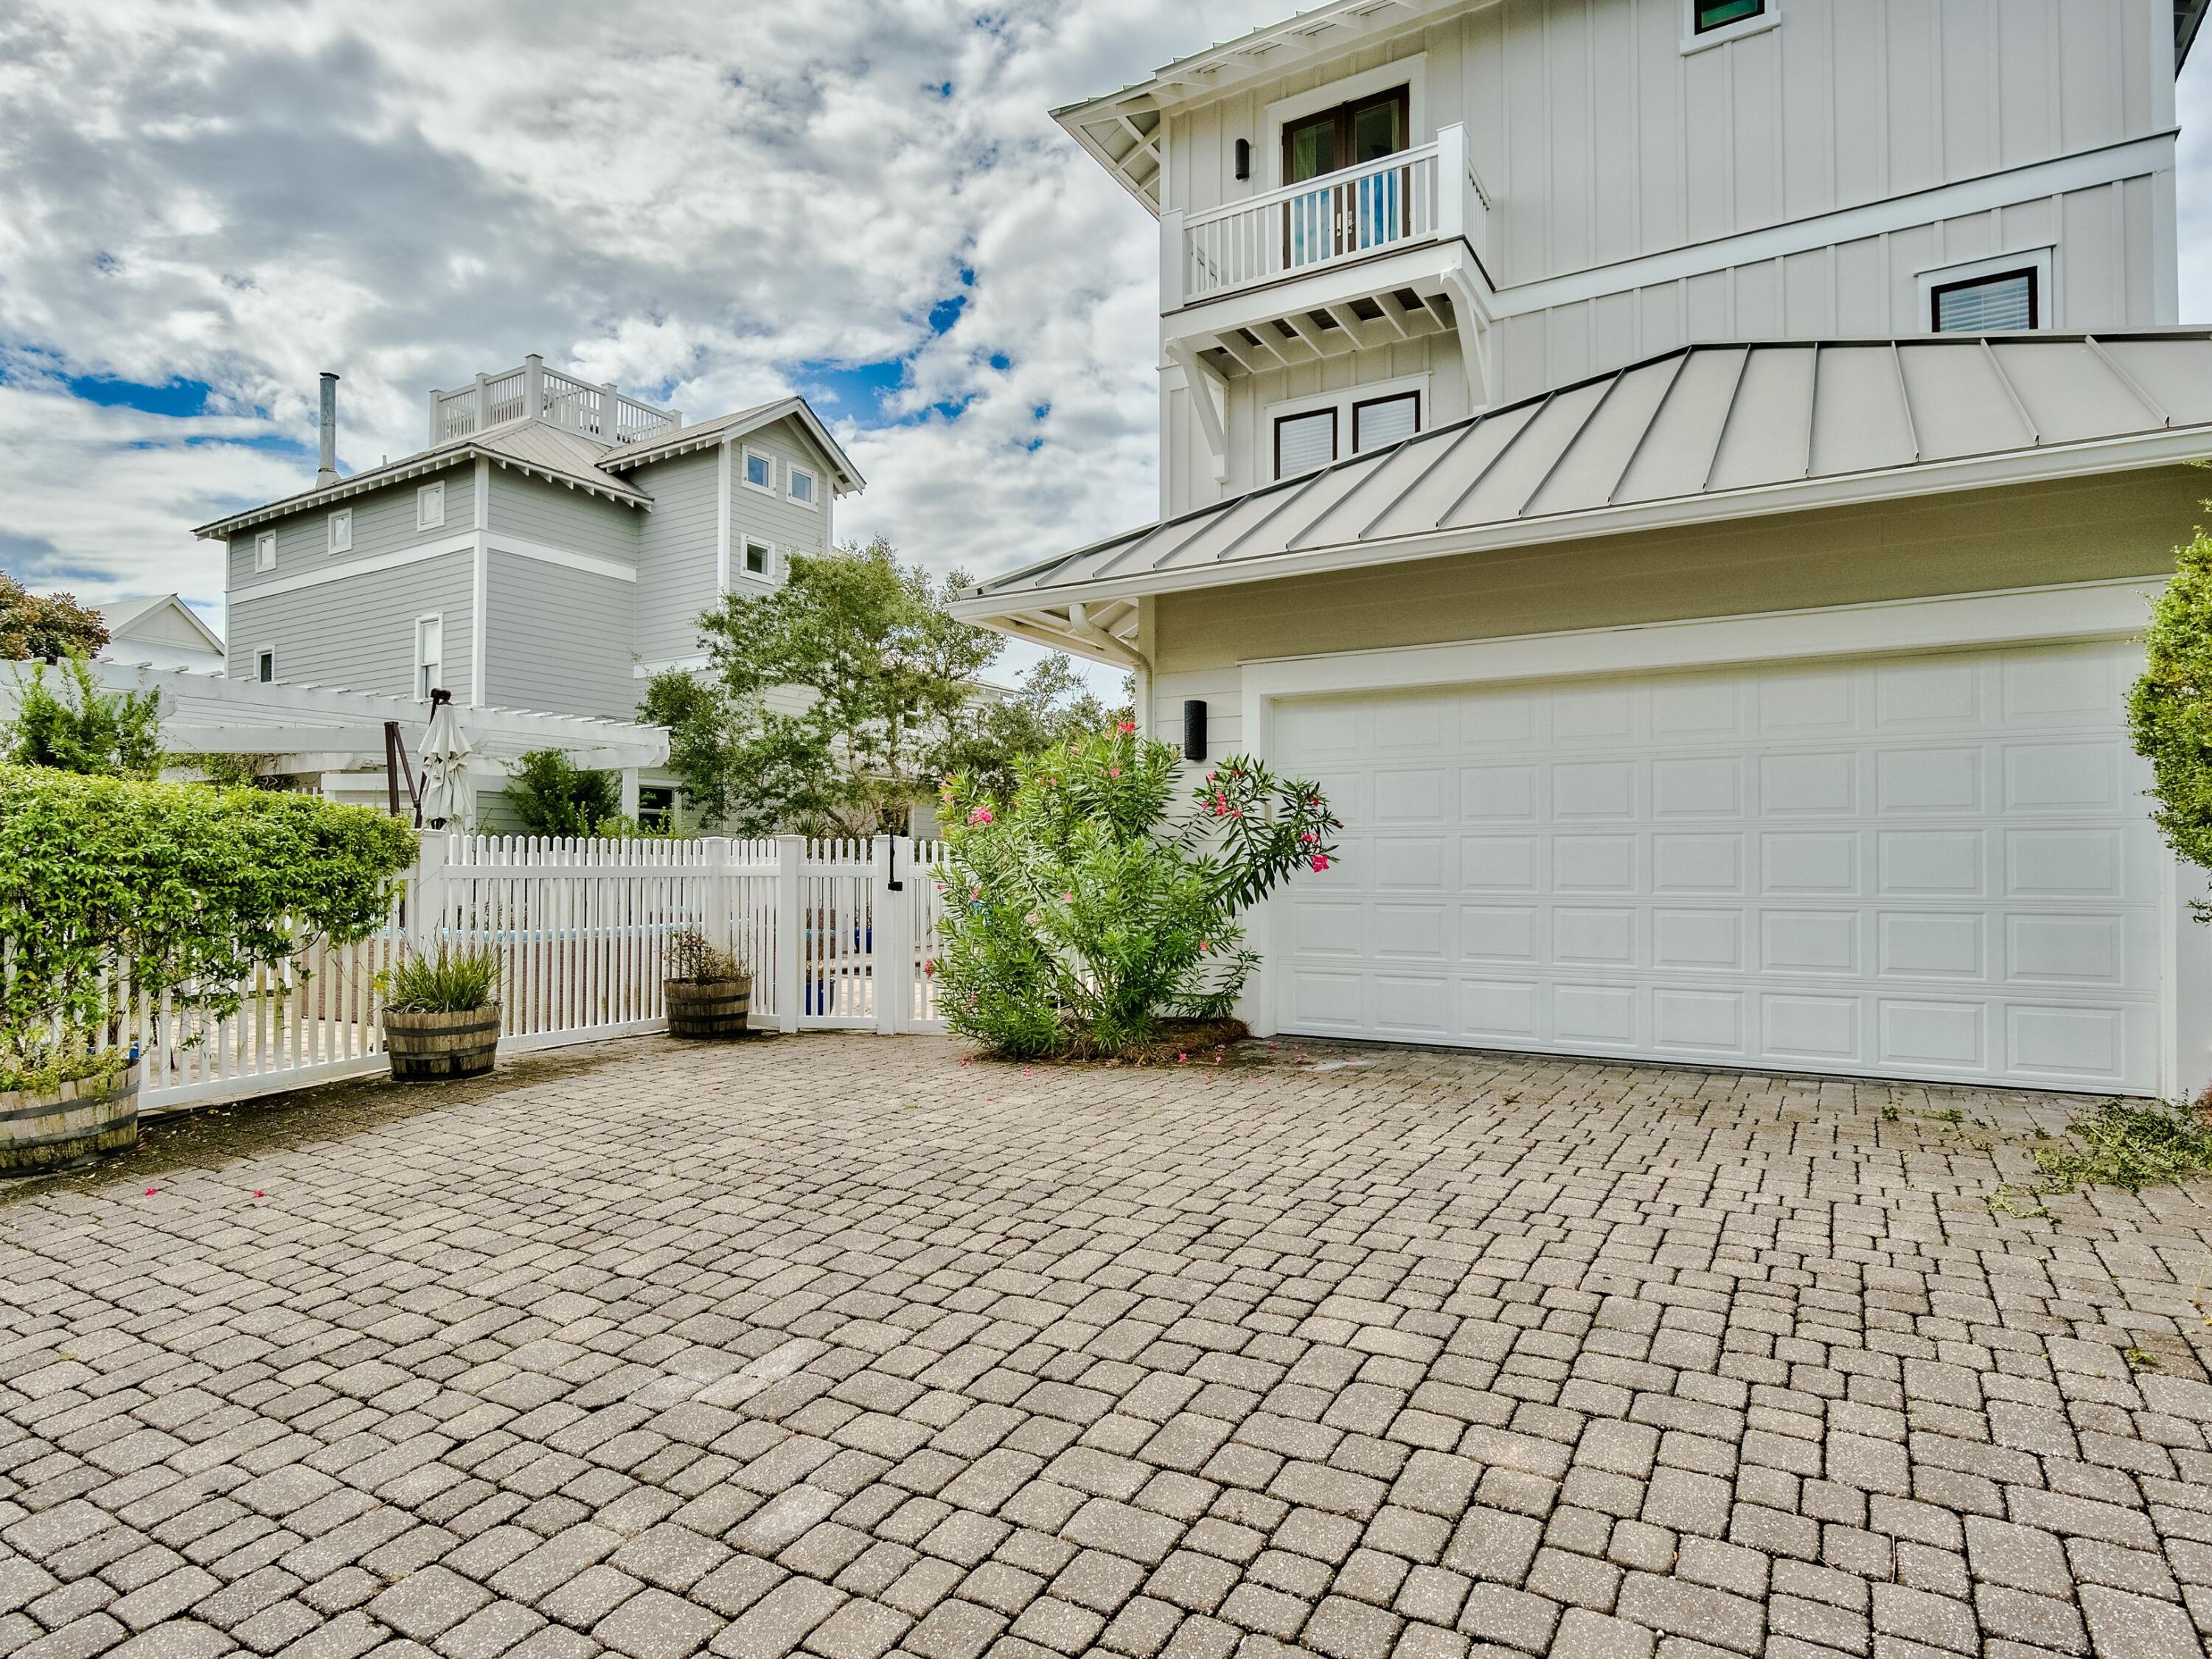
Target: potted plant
(709, 991)
(64, 1102)
(440, 1020)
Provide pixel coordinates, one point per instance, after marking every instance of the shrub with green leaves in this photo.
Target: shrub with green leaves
(75, 725)
(194, 888)
(457, 979)
(2170, 709)
(553, 796)
(1078, 916)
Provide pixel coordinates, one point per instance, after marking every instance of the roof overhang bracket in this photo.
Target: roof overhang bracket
(1079, 623)
(1209, 397)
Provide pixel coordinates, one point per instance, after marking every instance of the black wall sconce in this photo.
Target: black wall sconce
(1243, 158)
(1194, 730)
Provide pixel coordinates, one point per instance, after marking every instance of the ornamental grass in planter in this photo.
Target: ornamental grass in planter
(64, 1103)
(708, 990)
(441, 1015)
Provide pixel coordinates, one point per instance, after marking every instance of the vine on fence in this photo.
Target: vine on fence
(193, 888)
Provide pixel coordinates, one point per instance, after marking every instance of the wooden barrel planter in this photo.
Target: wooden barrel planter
(435, 1048)
(61, 1129)
(707, 1009)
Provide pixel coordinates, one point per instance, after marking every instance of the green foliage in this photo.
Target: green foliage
(455, 981)
(229, 771)
(1051, 705)
(192, 886)
(553, 797)
(30, 1065)
(889, 678)
(2119, 1144)
(53, 626)
(1078, 917)
(694, 957)
(2170, 709)
(80, 727)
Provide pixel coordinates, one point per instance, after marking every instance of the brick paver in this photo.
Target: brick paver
(835, 1345)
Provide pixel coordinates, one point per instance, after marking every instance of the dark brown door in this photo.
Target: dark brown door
(1339, 220)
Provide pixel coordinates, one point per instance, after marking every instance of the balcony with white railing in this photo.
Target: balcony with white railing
(1427, 194)
(596, 410)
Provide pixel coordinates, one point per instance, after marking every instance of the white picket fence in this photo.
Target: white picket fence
(840, 936)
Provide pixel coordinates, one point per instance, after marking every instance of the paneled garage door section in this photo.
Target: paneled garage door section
(1930, 868)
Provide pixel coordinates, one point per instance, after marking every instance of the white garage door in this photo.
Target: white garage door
(1935, 867)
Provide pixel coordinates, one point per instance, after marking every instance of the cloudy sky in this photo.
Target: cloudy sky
(203, 202)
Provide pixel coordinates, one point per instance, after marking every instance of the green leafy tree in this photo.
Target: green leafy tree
(1050, 706)
(1078, 916)
(885, 677)
(51, 626)
(2170, 709)
(74, 725)
(553, 796)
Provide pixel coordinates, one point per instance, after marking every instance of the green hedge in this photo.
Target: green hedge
(188, 884)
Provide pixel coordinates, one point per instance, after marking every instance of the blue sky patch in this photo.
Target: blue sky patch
(171, 397)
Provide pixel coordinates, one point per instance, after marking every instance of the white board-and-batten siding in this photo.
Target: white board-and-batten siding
(1602, 143)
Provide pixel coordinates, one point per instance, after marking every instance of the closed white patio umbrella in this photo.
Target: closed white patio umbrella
(449, 800)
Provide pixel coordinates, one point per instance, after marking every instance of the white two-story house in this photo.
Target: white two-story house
(1687, 476)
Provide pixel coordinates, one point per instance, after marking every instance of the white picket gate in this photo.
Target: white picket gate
(840, 935)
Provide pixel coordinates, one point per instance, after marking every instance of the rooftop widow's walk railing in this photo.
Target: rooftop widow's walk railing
(596, 410)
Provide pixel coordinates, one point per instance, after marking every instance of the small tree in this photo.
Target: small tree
(80, 727)
(553, 796)
(2170, 709)
(830, 704)
(1078, 917)
(52, 626)
(1050, 706)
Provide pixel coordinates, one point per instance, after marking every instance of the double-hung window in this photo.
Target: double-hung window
(429, 655)
(264, 665)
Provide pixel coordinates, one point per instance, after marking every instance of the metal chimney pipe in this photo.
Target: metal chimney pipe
(326, 469)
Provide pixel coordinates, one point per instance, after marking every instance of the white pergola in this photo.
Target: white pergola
(340, 736)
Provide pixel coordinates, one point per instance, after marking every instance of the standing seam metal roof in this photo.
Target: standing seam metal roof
(1699, 420)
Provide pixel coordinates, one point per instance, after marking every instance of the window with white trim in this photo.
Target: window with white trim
(429, 655)
(1706, 15)
(760, 557)
(1378, 423)
(798, 484)
(657, 808)
(1305, 442)
(264, 665)
(757, 471)
(265, 551)
(341, 530)
(2003, 302)
(430, 506)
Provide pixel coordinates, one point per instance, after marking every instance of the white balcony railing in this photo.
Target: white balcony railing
(1427, 193)
(596, 410)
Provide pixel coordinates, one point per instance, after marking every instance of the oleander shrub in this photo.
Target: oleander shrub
(2170, 708)
(1081, 912)
(192, 888)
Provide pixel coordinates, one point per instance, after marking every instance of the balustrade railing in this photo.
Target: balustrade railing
(597, 411)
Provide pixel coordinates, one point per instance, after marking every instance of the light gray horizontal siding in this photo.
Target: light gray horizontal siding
(676, 553)
(383, 522)
(558, 640)
(791, 527)
(558, 516)
(358, 633)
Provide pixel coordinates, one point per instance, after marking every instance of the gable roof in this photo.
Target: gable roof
(1703, 432)
(553, 452)
(687, 439)
(126, 618)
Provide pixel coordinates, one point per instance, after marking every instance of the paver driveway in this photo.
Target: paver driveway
(833, 1342)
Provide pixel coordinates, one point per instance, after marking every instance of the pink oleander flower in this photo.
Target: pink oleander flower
(1320, 863)
(981, 815)
(1113, 771)
(1310, 835)
(928, 966)
(1068, 898)
(1180, 1059)
(1127, 726)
